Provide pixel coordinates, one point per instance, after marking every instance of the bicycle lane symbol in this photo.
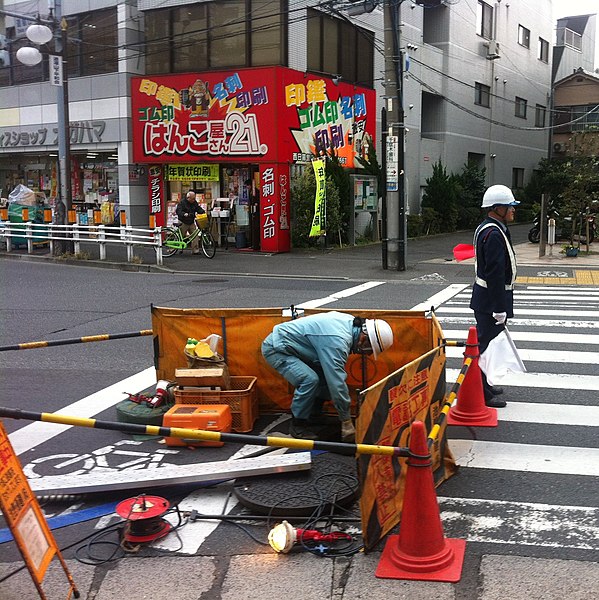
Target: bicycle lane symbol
(113, 458)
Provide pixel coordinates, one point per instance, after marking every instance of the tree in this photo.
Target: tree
(441, 195)
(472, 187)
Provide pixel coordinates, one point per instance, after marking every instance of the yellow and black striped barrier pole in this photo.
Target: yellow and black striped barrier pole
(82, 340)
(207, 436)
(432, 436)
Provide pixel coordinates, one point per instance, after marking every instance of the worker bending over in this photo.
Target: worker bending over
(311, 353)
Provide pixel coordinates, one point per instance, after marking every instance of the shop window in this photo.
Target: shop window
(520, 107)
(484, 20)
(158, 42)
(482, 94)
(228, 34)
(190, 37)
(340, 48)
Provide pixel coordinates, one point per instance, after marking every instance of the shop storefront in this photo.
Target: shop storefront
(232, 136)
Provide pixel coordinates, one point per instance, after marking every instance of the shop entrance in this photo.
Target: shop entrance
(241, 186)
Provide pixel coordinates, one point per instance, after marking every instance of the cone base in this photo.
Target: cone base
(483, 418)
(395, 566)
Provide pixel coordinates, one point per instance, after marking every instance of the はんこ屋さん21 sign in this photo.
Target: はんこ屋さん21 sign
(262, 115)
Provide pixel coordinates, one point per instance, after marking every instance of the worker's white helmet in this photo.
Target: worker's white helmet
(498, 194)
(379, 334)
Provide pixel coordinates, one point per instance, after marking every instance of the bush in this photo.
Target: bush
(441, 196)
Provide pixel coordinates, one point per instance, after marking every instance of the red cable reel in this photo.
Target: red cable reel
(143, 515)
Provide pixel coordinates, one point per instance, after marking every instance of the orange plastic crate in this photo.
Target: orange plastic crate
(242, 398)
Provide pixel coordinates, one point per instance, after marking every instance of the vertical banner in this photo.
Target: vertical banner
(274, 208)
(156, 194)
(320, 201)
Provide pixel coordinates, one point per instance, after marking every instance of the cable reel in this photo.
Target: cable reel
(144, 518)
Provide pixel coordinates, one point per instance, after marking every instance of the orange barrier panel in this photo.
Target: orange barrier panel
(97, 216)
(25, 214)
(72, 217)
(4, 214)
(152, 221)
(47, 215)
(123, 218)
(243, 331)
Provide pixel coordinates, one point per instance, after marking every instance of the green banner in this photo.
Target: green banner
(185, 172)
(320, 201)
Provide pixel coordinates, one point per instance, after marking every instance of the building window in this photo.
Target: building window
(540, 112)
(482, 94)
(520, 110)
(517, 178)
(567, 37)
(523, 36)
(484, 19)
(216, 35)
(338, 47)
(543, 50)
(586, 118)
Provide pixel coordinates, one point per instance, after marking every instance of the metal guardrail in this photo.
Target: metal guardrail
(123, 235)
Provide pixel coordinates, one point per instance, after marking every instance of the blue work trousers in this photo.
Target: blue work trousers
(308, 380)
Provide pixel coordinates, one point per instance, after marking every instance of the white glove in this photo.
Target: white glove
(500, 318)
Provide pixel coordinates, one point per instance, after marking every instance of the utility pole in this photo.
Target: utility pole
(394, 247)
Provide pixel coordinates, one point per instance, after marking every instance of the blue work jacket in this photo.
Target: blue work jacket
(324, 339)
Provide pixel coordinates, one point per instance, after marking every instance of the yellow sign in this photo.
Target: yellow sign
(24, 517)
(199, 172)
(320, 201)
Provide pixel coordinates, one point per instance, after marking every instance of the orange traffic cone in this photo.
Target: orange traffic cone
(470, 408)
(420, 551)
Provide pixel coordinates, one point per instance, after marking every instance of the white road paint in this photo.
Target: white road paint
(526, 458)
(585, 339)
(443, 296)
(37, 433)
(554, 381)
(517, 523)
(550, 356)
(557, 323)
(550, 414)
(520, 311)
(342, 294)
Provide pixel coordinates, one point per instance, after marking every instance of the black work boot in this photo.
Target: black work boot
(300, 429)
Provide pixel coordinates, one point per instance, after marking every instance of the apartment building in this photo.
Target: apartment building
(228, 97)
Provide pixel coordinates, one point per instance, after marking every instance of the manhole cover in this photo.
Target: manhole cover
(331, 480)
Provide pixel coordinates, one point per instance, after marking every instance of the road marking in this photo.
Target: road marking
(586, 339)
(527, 322)
(526, 458)
(554, 381)
(342, 294)
(37, 433)
(519, 311)
(581, 277)
(518, 523)
(550, 414)
(550, 356)
(441, 297)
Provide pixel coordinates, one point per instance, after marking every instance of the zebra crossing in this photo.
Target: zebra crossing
(532, 480)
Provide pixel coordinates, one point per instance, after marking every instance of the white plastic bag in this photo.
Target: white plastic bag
(500, 358)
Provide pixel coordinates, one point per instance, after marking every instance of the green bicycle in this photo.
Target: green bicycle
(173, 240)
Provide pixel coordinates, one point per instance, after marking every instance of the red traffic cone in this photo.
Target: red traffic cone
(470, 408)
(420, 551)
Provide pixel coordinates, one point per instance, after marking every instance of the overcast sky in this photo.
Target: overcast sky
(570, 8)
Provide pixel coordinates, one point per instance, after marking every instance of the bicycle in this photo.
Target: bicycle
(173, 240)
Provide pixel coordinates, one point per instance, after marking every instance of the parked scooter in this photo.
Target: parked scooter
(534, 235)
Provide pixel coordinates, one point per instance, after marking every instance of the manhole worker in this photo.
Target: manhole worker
(311, 353)
(495, 269)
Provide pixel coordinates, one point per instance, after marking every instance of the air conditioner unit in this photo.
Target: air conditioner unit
(492, 50)
(558, 148)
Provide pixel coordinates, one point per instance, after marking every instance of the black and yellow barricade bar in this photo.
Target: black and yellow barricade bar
(82, 340)
(449, 401)
(207, 436)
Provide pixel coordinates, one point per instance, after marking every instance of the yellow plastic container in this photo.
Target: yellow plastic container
(202, 220)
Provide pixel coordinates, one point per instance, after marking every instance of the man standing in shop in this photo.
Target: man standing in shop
(495, 269)
(187, 209)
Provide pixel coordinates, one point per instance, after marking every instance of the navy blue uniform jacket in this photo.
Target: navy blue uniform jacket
(493, 266)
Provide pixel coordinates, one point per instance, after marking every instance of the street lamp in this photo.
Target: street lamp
(41, 34)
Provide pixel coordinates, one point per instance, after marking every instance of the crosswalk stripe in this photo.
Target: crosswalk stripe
(554, 381)
(586, 339)
(469, 321)
(519, 311)
(552, 356)
(528, 458)
(516, 523)
(550, 414)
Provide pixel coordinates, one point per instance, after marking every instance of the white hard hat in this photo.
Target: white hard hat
(379, 334)
(498, 194)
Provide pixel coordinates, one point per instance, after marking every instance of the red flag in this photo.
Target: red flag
(463, 252)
